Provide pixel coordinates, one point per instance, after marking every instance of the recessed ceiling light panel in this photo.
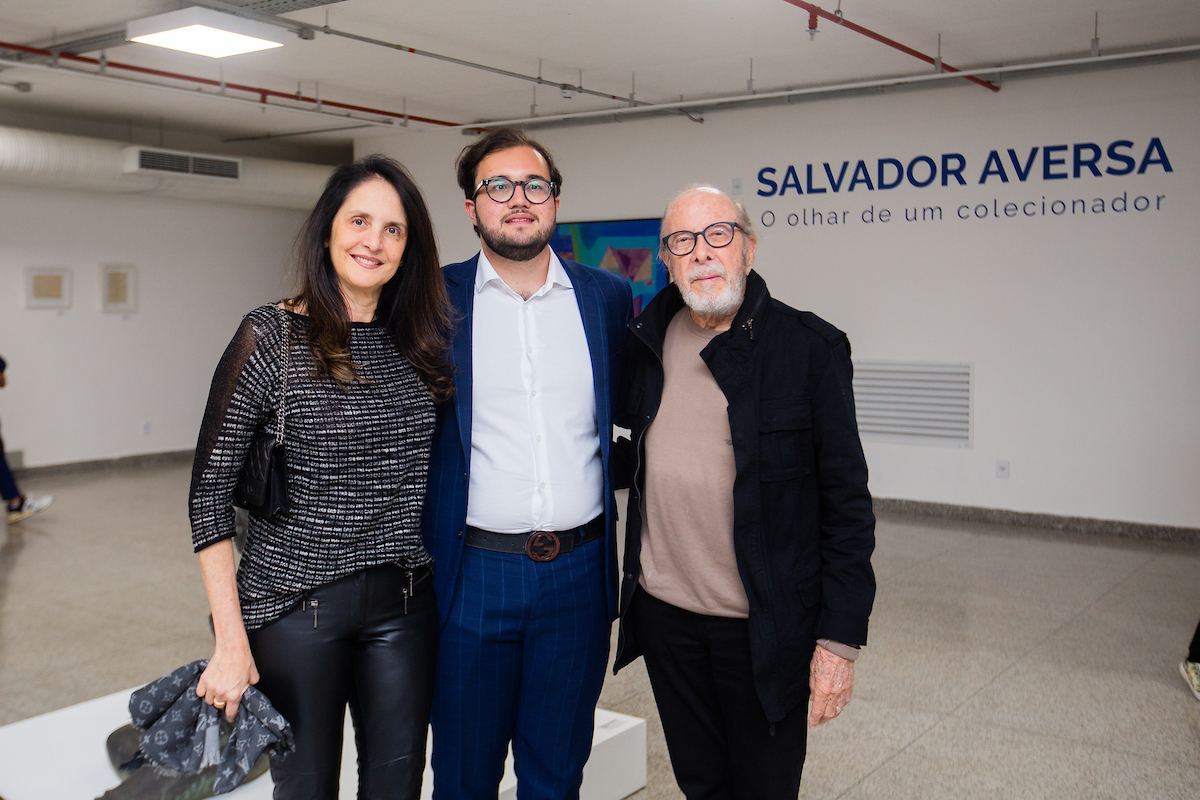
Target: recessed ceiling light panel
(204, 32)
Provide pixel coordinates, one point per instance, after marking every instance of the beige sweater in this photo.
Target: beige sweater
(687, 555)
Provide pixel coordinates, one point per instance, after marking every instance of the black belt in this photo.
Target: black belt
(538, 545)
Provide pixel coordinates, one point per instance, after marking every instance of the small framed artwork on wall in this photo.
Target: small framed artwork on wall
(47, 287)
(118, 288)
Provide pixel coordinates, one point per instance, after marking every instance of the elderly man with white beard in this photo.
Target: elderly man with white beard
(747, 583)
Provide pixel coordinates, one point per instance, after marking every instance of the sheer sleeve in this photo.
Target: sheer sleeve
(243, 395)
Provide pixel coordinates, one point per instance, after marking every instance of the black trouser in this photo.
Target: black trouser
(8, 484)
(1194, 650)
(359, 645)
(721, 744)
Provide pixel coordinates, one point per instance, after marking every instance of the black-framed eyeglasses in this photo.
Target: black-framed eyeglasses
(501, 190)
(682, 243)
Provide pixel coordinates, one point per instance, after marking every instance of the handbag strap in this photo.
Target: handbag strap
(284, 361)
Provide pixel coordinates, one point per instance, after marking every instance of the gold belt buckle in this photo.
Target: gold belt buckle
(543, 546)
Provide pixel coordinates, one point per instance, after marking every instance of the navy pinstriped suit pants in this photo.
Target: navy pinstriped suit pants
(520, 659)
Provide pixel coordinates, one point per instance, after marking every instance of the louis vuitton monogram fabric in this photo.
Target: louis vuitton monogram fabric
(180, 732)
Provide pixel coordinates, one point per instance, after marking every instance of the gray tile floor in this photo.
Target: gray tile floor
(1003, 663)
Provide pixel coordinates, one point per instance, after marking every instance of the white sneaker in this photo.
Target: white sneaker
(28, 507)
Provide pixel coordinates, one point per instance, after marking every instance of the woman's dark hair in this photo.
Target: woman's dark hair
(412, 305)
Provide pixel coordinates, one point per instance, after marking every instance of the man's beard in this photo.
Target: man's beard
(724, 304)
(505, 247)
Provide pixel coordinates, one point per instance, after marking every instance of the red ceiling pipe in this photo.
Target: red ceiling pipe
(263, 93)
(816, 11)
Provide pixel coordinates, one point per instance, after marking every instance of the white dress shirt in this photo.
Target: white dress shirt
(535, 444)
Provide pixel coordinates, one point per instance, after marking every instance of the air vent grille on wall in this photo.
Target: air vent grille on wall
(216, 167)
(146, 159)
(164, 162)
(915, 401)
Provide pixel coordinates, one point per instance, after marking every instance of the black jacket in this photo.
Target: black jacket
(803, 526)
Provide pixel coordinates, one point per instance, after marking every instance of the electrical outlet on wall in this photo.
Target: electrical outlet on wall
(1002, 469)
(146, 428)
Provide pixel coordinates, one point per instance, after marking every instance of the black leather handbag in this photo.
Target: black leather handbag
(262, 485)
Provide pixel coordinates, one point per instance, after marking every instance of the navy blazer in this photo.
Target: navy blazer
(605, 305)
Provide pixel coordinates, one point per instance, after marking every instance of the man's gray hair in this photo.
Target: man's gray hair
(743, 219)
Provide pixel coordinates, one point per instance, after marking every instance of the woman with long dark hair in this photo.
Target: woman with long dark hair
(331, 604)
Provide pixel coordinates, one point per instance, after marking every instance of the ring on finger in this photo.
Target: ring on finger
(218, 703)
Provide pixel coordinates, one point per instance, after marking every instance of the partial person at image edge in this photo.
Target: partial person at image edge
(1189, 668)
(18, 505)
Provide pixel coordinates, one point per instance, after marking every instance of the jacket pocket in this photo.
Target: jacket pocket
(809, 590)
(633, 406)
(785, 438)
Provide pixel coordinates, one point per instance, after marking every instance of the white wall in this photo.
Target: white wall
(82, 382)
(1084, 330)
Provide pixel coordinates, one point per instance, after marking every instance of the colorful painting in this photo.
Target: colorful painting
(628, 248)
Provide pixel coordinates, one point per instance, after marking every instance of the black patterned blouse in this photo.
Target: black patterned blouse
(357, 461)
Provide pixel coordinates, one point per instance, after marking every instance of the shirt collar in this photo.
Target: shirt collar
(485, 273)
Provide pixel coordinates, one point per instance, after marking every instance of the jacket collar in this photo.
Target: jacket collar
(754, 304)
(456, 274)
(651, 324)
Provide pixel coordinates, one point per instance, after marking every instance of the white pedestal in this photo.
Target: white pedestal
(62, 755)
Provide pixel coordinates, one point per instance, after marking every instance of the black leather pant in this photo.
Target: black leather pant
(363, 640)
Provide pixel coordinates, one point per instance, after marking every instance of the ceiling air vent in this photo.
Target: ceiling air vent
(284, 6)
(917, 402)
(149, 159)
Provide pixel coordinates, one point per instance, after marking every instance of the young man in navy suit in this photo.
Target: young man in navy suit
(520, 511)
